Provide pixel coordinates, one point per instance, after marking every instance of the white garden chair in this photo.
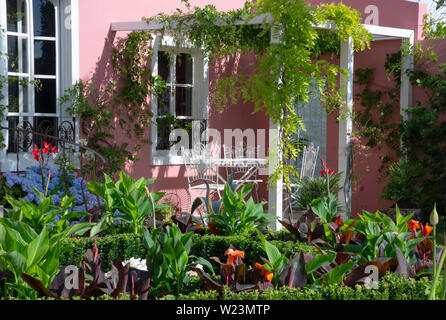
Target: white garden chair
(242, 152)
(198, 170)
(309, 161)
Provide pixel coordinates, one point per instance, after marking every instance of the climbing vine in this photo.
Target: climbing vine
(375, 121)
(283, 71)
(120, 104)
(419, 178)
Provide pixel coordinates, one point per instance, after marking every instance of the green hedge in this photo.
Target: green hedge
(391, 287)
(126, 246)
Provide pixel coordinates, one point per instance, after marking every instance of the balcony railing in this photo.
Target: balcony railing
(23, 137)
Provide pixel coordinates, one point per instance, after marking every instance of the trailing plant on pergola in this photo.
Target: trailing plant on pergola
(287, 64)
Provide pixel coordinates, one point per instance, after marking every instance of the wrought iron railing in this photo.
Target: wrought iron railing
(22, 138)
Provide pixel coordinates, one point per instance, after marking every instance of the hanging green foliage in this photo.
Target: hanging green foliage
(121, 104)
(284, 70)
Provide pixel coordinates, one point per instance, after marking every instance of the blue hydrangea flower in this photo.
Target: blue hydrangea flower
(33, 177)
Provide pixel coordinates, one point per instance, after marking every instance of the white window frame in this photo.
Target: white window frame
(200, 85)
(67, 68)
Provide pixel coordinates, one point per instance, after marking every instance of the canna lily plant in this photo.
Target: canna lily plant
(233, 215)
(42, 156)
(326, 208)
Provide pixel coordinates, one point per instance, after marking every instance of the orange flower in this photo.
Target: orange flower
(233, 255)
(426, 230)
(339, 222)
(267, 275)
(413, 225)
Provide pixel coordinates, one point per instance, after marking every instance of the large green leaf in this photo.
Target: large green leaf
(37, 248)
(26, 232)
(204, 262)
(336, 274)
(11, 239)
(17, 261)
(319, 261)
(96, 188)
(274, 255)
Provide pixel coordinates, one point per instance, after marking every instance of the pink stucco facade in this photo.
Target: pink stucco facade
(96, 16)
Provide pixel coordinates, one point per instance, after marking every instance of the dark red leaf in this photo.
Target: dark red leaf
(37, 285)
(294, 275)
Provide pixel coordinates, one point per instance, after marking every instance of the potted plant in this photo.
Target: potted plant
(404, 187)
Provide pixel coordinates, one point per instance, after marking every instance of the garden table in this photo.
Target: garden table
(252, 165)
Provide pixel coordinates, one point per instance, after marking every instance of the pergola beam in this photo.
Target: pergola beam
(154, 25)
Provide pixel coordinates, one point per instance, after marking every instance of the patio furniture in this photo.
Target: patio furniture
(199, 169)
(243, 162)
(309, 160)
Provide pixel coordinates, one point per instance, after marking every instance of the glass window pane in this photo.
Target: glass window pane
(44, 18)
(165, 126)
(164, 102)
(13, 94)
(45, 96)
(47, 126)
(186, 124)
(163, 132)
(183, 101)
(12, 135)
(184, 68)
(17, 94)
(17, 54)
(25, 86)
(44, 57)
(164, 66)
(16, 16)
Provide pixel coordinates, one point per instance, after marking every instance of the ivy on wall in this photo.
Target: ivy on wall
(120, 104)
(415, 171)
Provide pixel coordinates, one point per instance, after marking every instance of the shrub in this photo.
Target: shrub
(391, 287)
(126, 246)
(14, 191)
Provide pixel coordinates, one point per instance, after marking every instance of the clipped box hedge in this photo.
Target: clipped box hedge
(126, 246)
(391, 287)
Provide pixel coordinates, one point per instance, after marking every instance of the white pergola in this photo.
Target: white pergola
(379, 33)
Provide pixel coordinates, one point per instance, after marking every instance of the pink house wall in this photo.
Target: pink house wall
(95, 52)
